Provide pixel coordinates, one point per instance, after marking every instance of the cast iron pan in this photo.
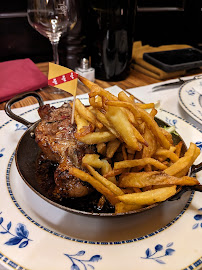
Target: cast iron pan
(27, 152)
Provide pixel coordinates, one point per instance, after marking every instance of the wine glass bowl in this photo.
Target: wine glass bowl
(52, 18)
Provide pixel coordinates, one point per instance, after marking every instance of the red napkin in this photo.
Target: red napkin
(19, 76)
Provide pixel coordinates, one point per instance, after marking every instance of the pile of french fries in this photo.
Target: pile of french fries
(136, 164)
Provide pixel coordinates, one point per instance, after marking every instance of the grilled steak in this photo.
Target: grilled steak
(55, 137)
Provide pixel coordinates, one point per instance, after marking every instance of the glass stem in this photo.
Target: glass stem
(55, 52)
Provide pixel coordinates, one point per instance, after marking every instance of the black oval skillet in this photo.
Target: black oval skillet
(27, 152)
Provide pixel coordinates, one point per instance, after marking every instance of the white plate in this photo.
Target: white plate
(189, 95)
(36, 235)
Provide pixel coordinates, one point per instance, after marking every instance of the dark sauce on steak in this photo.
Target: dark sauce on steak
(45, 176)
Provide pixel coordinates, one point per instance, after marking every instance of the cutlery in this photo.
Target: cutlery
(172, 85)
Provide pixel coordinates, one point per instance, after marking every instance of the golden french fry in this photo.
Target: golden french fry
(123, 148)
(139, 137)
(95, 102)
(176, 168)
(172, 149)
(153, 112)
(118, 119)
(148, 197)
(190, 163)
(95, 183)
(123, 97)
(124, 104)
(145, 179)
(178, 148)
(106, 168)
(103, 129)
(132, 98)
(97, 137)
(93, 160)
(139, 162)
(111, 186)
(87, 114)
(164, 159)
(148, 151)
(181, 167)
(80, 121)
(112, 147)
(131, 117)
(102, 118)
(146, 106)
(101, 148)
(167, 134)
(141, 128)
(113, 173)
(103, 93)
(121, 207)
(167, 154)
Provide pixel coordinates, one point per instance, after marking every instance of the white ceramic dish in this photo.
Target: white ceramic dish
(36, 235)
(190, 98)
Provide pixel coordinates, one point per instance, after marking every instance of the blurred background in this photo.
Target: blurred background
(157, 23)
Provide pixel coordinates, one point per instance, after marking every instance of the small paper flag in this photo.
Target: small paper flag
(62, 78)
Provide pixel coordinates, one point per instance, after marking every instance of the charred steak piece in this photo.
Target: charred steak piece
(55, 136)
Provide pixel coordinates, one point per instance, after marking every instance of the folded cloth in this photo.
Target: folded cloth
(150, 70)
(19, 76)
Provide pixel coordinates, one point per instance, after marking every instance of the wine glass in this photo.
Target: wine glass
(52, 18)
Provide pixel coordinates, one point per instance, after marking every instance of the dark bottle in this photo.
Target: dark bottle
(110, 37)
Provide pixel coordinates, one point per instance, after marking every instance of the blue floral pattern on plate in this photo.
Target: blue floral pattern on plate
(171, 122)
(198, 218)
(191, 92)
(199, 144)
(193, 104)
(20, 237)
(158, 248)
(20, 127)
(1, 152)
(85, 264)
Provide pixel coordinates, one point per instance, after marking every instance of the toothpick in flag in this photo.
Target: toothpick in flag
(65, 79)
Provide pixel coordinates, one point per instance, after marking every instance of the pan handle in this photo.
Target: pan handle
(195, 169)
(18, 98)
(184, 189)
